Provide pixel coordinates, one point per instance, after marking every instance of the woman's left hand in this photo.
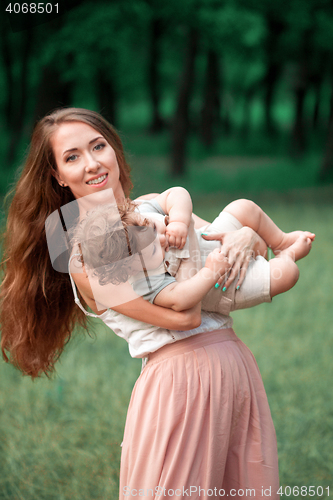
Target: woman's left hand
(239, 247)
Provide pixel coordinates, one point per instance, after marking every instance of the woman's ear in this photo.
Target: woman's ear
(58, 179)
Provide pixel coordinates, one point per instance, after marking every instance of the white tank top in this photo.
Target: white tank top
(143, 338)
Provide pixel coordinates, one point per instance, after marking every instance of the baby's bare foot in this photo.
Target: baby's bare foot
(291, 238)
(300, 248)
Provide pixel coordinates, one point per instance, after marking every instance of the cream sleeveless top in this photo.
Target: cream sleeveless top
(143, 338)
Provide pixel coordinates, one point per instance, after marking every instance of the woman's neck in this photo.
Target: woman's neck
(107, 196)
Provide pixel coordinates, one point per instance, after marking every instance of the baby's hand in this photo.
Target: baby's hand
(218, 263)
(176, 233)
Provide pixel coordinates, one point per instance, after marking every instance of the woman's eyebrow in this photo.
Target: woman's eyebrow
(94, 140)
(69, 151)
(75, 149)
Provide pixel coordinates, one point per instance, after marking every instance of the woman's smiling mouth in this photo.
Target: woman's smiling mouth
(97, 180)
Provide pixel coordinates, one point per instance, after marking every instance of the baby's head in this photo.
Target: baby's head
(117, 242)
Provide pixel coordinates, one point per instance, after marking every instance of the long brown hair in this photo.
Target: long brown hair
(37, 309)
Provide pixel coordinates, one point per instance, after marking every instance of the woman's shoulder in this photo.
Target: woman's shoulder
(82, 282)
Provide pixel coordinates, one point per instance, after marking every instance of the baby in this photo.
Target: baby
(137, 250)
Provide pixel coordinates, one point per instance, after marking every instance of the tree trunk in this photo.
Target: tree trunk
(275, 29)
(300, 90)
(180, 126)
(330, 118)
(8, 67)
(246, 125)
(316, 108)
(52, 92)
(20, 95)
(157, 123)
(226, 119)
(298, 136)
(326, 171)
(107, 97)
(212, 105)
(272, 75)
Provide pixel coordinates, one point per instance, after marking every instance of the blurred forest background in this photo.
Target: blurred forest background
(229, 98)
(185, 80)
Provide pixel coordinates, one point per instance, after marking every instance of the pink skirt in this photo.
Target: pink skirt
(199, 425)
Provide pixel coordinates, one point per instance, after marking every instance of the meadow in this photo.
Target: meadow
(60, 438)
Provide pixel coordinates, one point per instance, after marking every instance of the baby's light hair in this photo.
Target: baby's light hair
(106, 242)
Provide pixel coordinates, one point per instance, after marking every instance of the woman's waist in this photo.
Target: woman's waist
(191, 343)
(144, 338)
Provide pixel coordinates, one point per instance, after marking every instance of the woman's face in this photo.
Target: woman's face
(86, 162)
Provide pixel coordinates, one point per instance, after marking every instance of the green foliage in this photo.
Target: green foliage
(264, 49)
(230, 26)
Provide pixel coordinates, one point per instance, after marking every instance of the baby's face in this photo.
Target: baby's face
(154, 253)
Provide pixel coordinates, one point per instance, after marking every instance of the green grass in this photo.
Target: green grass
(60, 438)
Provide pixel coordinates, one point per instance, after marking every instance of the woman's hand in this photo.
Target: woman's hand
(218, 263)
(239, 247)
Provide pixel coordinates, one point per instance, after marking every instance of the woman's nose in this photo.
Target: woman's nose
(91, 163)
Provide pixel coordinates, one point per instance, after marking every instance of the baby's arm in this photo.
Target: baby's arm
(184, 295)
(177, 204)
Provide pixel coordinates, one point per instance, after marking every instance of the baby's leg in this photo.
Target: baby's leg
(283, 268)
(284, 275)
(251, 215)
(224, 222)
(264, 280)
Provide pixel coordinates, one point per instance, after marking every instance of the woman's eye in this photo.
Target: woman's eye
(100, 146)
(71, 158)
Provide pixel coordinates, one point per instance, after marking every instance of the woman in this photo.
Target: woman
(198, 416)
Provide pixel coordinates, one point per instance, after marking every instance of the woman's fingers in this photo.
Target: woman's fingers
(238, 248)
(239, 262)
(213, 236)
(240, 272)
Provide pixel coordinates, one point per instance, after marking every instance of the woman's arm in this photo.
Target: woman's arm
(129, 304)
(162, 317)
